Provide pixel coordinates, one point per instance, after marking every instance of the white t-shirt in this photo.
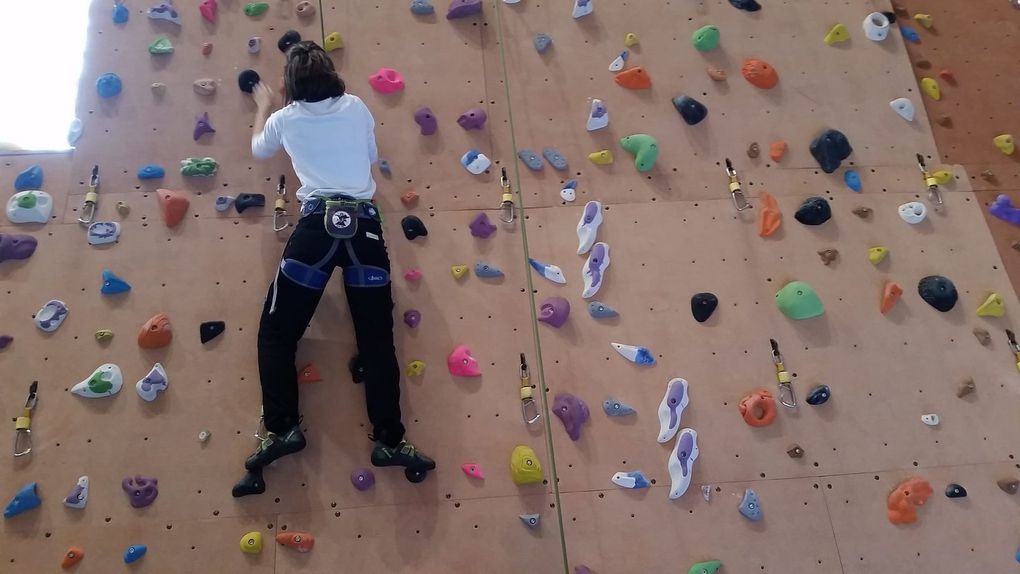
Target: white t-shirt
(331, 144)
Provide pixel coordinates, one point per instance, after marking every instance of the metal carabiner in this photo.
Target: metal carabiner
(934, 194)
(280, 209)
(739, 201)
(787, 397)
(22, 430)
(529, 410)
(88, 207)
(506, 206)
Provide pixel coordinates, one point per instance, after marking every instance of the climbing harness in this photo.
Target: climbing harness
(280, 210)
(934, 195)
(529, 410)
(739, 201)
(22, 430)
(506, 207)
(1014, 346)
(88, 208)
(786, 395)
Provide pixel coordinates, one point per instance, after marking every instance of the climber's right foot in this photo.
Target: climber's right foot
(252, 483)
(275, 446)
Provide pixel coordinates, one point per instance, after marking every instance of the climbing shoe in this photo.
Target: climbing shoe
(275, 446)
(252, 483)
(404, 454)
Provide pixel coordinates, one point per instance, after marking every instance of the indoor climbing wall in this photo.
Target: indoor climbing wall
(673, 232)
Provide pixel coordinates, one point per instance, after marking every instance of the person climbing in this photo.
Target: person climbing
(330, 137)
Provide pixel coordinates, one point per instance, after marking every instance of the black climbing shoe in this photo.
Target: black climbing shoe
(252, 483)
(357, 370)
(275, 446)
(404, 455)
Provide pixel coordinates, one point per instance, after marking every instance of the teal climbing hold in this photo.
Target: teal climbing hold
(644, 148)
(26, 499)
(705, 38)
(112, 284)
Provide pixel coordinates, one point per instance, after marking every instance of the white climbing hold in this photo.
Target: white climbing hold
(681, 462)
(671, 409)
(74, 131)
(475, 162)
(153, 383)
(930, 419)
(549, 271)
(104, 382)
(594, 270)
(903, 108)
(51, 316)
(583, 8)
(79, 495)
(876, 26)
(30, 206)
(588, 226)
(598, 117)
(569, 191)
(913, 212)
(103, 232)
(635, 354)
(620, 61)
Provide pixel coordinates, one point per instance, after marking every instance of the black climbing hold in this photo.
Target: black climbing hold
(938, 291)
(954, 490)
(358, 373)
(289, 38)
(691, 110)
(247, 80)
(413, 227)
(891, 16)
(703, 305)
(814, 211)
(246, 200)
(748, 5)
(252, 483)
(819, 395)
(830, 148)
(209, 330)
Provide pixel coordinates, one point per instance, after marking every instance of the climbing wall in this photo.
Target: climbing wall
(673, 232)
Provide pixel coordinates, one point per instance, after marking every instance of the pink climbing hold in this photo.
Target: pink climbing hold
(386, 81)
(473, 470)
(412, 275)
(208, 10)
(462, 364)
(473, 119)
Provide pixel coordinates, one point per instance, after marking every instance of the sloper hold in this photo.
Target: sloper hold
(251, 543)
(903, 500)
(30, 178)
(481, 226)
(705, 38)
(134, 553)
(108, 85)
(151, 171)
(681, 462)
(247, 80)
(30, 206)
(692, 111)
(156, 332)
(631, 480)
(798, 300)
(913, 212)
(644, 148)
(487, 271)
(903, 108)
(759, 73)
(703, 305)
(572, 412)
(938, 291)
(954, 490)
(25, 499)
(750, 506)
(1008, 485)
(769, 217)
(634, 79)
(710, 567)
(671, 409)
(247, 200)
(615, 408)
(531, 160)
(524, 466)
(814, 211)
(819, 395)
(837, 33)
(112, 284)
(554, 311)
(209, 330)
(829, 149)
(173, 205)
(299, 541)
(635, 354)
(600, 310)
(531, 520)
(994, 306)
(463, 9)
(105, 381)
(891, 293)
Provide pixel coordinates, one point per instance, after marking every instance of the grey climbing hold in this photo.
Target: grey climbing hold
(487, 271)
(819, 395)
(555, 158)
(691, 110)
(154, 383)
(246, 200)
(223, 202)
(421, 8)
(51, 316)
(542, 42)
(531, 159)
(615, 408)
(103, 232)
(703, 305)
(601, 310)
(254, 45)
(954, 490)
(830, 148)
(209, 330)
(31, 178)
(750, 506)
(938, 291)
(530, 520)
(814, 211)
(384, 167)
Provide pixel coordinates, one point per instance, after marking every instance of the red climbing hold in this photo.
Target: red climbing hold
(73, 556)
(155, 333)
(173, 205)
(208, 10)
(634, 79)
(890, 295)
(760, 73)
(947, 75)
(309, 374)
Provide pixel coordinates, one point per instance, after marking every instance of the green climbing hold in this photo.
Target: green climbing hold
(198, 167)
(710, 567)
(97, 385)
(706, 38)
(645, 149)
(255, 8)
(798, 300)
(26, 201)
(161, 45)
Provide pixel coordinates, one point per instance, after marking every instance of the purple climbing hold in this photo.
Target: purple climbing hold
(554, 311)
(202, 126)
(412, 318)
(481, 227)
(463, 9)
(141, 490)
(594, 269)
(425, 119)
(473, 119)
(582, 570)
(16, 246)
(572, 412)
(1004, 210)
(362, 479)
(5, 340)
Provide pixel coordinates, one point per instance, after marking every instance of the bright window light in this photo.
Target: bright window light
(43, 47)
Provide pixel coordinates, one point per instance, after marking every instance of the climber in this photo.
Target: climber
(329, 135)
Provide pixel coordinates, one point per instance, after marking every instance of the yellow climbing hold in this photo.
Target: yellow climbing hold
(1005, 143)
(415, 368)
(524, 466)
(943, 176)
(877, 254)
(458, 271)
(993, 306)
(604, 157)
(931, 87)
(923, 19)
(251, 543)
(333, 42)
(630, 40)
(839, 33)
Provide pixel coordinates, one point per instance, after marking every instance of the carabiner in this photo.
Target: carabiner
(934, 194)
(1014, 346)
(22, 430)
(787, 397)
(506, 206)
(280, 209)
(739, 201)
(88, 207)
(529, 410)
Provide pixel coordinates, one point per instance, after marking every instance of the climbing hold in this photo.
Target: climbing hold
(415, 369)
(876, 26)
(954, 490)
(246, 81)
(993, 306)
(550, 272)
(161, 45)
(671, 408)
(930, 419)
(569, 191)
(426, 120)
(30, 206)
(409, 199)
(1005, 143)
(603, 157)
(475, 162)
(594, 269)
(413, 227)
(141, 490)
(333, 41)
(769, 218)
(902, 501)
(155, 333)
(712, 566)
(462, 364)
(691, 110)
(944, 120)
(1003, 208)
(572, 412)
(966, 387)
(384, 167)
(209, 330)
(681, 462)
(750, 507)
(75, 554)
(481, 226)
(309, 374)
(852, 180)
(634, 79)
(421, 8)
(758, 408)
(103, 336)
(746, 5)
(717, 74)
(207, 86)
(154, 383)
(617, 64)
(837, 34)
(877, 254)
(135, 553)
(913, 212)
(910, 34)
(25, 499)
(813, 211)
(412, 275)
(828, 256)
(165, 11)
(530, 520)
(112, 284)
(202, 126)
(588, 226)
(705, 38)
(159, 88)
(938, 291)
(289, 38)
(903, 108)
(299, 541)
(795, 451)
(487, 271)
(224, 202)
(51, 315)
(862, 212)
(305, 8)
(555, 158)
(253, 9)
(753, 150)
(703, 305)
(122, 208)
(208, 10)
(5, 340)
(524, 466)
(459, 271)
(798, 300)
(631, 480)
(412, 317)
(251, 543)
(386, 81)
(173, 205)
(759, 73)
(463, 9)
(30, 178)
(819, 395)
(947, 75)
(473, 470)
(615, 408)
(362, 479)
(108, 85)
(531, 159)
(601, 311)
(942, 176)
(120, 13)
(637, 355)
(473, 119)
(198, 167)
(583, 8)
(891, 293)
(931, 87)
(923, 19)
(151, 171)
(554, 311)
(1008, 485)
(246, 200)
(644, 148)
(102, 232)
(829, 149)
(598, 117)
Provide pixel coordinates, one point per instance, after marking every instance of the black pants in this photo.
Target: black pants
(289, 309)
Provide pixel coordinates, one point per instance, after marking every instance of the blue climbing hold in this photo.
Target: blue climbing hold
(108, 85)
(531, 159)
(151, 171)
(542, 42)
(223, 202)
(853, 180)
(601, 310)
(487, 271)
(910, 34)
(421, 8)
(632, 480)
(615, 408)
(26, 499)
(112, 284)
(750, 507)
(384, 167)
(120, 13)
(31, 178)
(134, 553)
(555, 158)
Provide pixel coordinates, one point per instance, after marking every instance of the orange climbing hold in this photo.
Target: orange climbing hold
(758, 408)
(73, 556)
(155, 332)
(300, 541)
(769, 217)
(409, 199)
(634, 79)
(309, 374)
(173, 205)
(777, 150)
(908, 494)
(760, 73)
(890, 295)
(947, 75)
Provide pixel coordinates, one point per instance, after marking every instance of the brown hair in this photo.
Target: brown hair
(309, 74)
